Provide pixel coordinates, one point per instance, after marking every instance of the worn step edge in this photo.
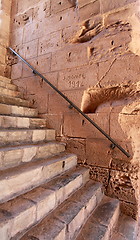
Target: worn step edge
(102, 222)
(7, 85)
(40, 202)
(17, 110)
(22, 179)
(14, 156)
(21, 122)
(20, 136)
(14, 101)
(9, 92)
(127, 228)
(69, 216)
(5, 79)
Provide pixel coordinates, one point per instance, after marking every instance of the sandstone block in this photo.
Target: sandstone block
(50, 43)
(89, 10)
(29, 154)
(31, 32)
(4, 79)
(101, 223)
(110, 5)
(23, 122)
(72, 215)
(16, 71)
(50, 149)
(19, 211)
(100, 174)
(31, 49)
(50, 135)
(17, 36)
(78, 147)
(28, 176)
(127, 227)
(50, 227)
(121, 187)
(8, 85)
(95, 150)
(129, 70)
(5, 229)
(57, 6)
(54, 121)
(8, 92)
(11, 158)
(3, 55)
(44, 199)
(69, 58)
(14, 101)
(15, 110)
(41, 63)
(85, 129)
(20, 181)
(57, 105)
(78, 78)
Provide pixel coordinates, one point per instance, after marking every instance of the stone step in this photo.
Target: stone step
(14, 101)
(18, 111)
(39, 202)
(8, 92)
(102, 222)
(126, 229)
(21, 179)
(69, 217)
(14, 156)
(9, 86)
(21, 122)
(18, 136)
(5, 79)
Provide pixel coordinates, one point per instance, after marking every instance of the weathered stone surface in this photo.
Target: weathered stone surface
(23, 178)
(76, 146)
(54, 121)
(18, 212)
(19, 111)
(76, 56)
(8, 92)
(8, 85)
(50, 227)
(14, 101)
(120, 186)
(67, 184)
(100, 174)
(58, 6)
(85, 129)
(109, 5)
(127, 228)
(79, 78)
(15, 155)
(89, 10)
(44, 199)
(98, 152)
(101, 223)
(28, 136)
(57, 105)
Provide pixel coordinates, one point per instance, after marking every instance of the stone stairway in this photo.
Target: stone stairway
(44, 195)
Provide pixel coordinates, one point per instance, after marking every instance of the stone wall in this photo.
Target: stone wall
(77, 45)
(5, 10)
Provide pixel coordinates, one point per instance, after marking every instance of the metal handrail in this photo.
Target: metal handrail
(72, 105)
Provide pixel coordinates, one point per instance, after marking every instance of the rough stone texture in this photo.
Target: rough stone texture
(101, 223)
(13, 156)
(93, 44)
(24, 178)
(72, 213)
